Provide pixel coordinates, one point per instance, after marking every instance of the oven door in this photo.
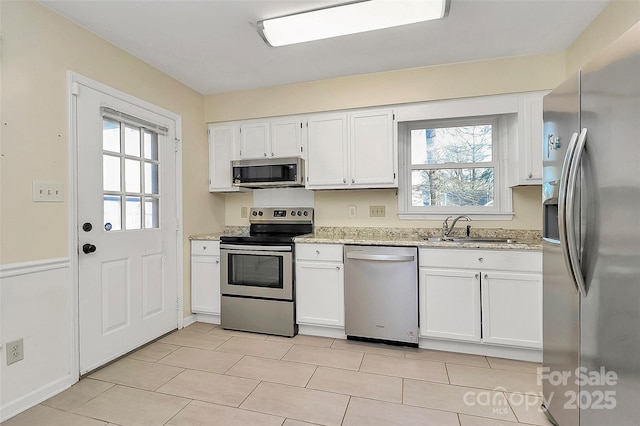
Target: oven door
(256, 271)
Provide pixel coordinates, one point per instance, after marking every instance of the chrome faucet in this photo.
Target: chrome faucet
(446, 229)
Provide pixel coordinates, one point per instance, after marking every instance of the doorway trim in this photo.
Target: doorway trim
(73, 80)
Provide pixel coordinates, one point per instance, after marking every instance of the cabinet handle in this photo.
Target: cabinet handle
(317, 251)
(272, 154)
(530, 175)
(265, 154)
(344, 180)
(486, 276)
(337, 268)
(217, 261)
(204, 247)
(353, 181)
(481, 259)
(477, 276)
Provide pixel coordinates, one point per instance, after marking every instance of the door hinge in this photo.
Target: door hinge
(300, 149)
(75, 89)
(177, 224)
(177, 144)
(177, 303)
(394, 176)
(208, 131)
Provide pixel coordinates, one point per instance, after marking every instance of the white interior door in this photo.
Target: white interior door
(127, 226)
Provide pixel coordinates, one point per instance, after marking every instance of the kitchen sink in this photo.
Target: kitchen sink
(473, 240)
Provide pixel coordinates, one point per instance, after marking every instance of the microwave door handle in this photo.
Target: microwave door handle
(562, 204)
(574, 174)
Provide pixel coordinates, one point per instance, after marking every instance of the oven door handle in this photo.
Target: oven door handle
(238, 247)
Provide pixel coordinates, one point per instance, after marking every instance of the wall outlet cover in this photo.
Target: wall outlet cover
(377, 211)
(15, 351)
(353, 212)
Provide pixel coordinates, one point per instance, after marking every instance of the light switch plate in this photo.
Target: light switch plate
(352, 211)
(47, 192)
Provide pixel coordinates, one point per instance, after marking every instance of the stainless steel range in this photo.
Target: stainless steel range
(257, 283)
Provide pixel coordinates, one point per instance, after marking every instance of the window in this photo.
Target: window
(452, 166)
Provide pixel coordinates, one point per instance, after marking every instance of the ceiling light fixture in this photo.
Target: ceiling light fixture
(349, 19)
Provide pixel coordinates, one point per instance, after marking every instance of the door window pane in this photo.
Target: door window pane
(150, 145)
(132, 141)
(452, 187)
(134, 215)
(151, 213)
(150, 178)
(112, 213)
(110, 135)
(110, 173)
(132, 175)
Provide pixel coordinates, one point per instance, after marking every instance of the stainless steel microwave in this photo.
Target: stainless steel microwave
(268, 173)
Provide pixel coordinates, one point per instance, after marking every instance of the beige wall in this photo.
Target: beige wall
(613, 21)
(38, 47)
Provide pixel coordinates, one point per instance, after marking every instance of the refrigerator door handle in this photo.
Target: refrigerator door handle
(574, 255)
(562, 205)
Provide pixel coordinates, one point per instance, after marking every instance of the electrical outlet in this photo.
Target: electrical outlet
(243, 212)
(15, 351)
(352, 211)
(377, 211)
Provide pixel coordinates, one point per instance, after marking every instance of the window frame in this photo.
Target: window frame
(502, 204)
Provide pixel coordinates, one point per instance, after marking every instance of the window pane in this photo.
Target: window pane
(133, 208)
(112, 213)
(110, 173)
(110, 135)
(151, 213)
(150, 145)
(452, 187)
(132, 141)
(464, 144)
(150, 178)
(132, 175)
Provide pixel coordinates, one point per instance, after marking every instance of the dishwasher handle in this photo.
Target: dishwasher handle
(380, 257)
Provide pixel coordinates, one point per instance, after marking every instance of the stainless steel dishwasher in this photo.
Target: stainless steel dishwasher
(381, 293)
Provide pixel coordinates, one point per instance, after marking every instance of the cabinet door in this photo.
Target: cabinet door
(254, 140)
(533, 149)
(286, 138)
(320, 293)
(372, 161)
(450, 304)
(512, 309)
(221, 149)
(327, 151)
(205, 284)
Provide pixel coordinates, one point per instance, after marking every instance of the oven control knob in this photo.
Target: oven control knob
(255, 213)
(299, 213)
(293, 213)
(260, 213)
(306, 213)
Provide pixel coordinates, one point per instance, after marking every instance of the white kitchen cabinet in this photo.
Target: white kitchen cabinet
(205, 277)
(484, 296)
(276, 138)
(354, 150)
(221, 152)
(320, 285)
(451, 308)
(525, 150)
(327, 137)
(511, 306)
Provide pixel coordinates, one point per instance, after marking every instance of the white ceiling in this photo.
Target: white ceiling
(213, 46)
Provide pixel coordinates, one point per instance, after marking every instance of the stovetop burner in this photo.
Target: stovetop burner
(273, 226)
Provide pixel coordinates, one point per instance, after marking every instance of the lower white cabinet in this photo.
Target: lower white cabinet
(205, 277)
(482, 296)
(320, 285)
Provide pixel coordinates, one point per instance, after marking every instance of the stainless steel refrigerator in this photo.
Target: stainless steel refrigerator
(591, 247)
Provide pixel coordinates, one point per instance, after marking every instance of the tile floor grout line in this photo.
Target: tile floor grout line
(179, 411)
(344, 415)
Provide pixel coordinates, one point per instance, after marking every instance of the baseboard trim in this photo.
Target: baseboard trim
(522, 354)
(315, 330)
(208, 318)
(31, 399)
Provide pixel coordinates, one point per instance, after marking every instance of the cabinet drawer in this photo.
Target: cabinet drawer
(199, 247)
(506, 260)
(322, 252)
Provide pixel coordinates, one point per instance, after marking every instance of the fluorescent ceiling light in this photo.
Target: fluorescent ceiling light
(349, 19)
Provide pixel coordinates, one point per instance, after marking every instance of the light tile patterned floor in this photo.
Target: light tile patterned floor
(204, 375)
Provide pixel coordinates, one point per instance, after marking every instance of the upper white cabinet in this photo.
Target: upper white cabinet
(525, 150)
(355, 150)
(273, 138)
(221, 152)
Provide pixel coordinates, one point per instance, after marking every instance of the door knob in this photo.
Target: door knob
(86, 227)
(88, 248)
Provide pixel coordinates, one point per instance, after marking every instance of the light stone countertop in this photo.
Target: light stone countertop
(524, 239)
